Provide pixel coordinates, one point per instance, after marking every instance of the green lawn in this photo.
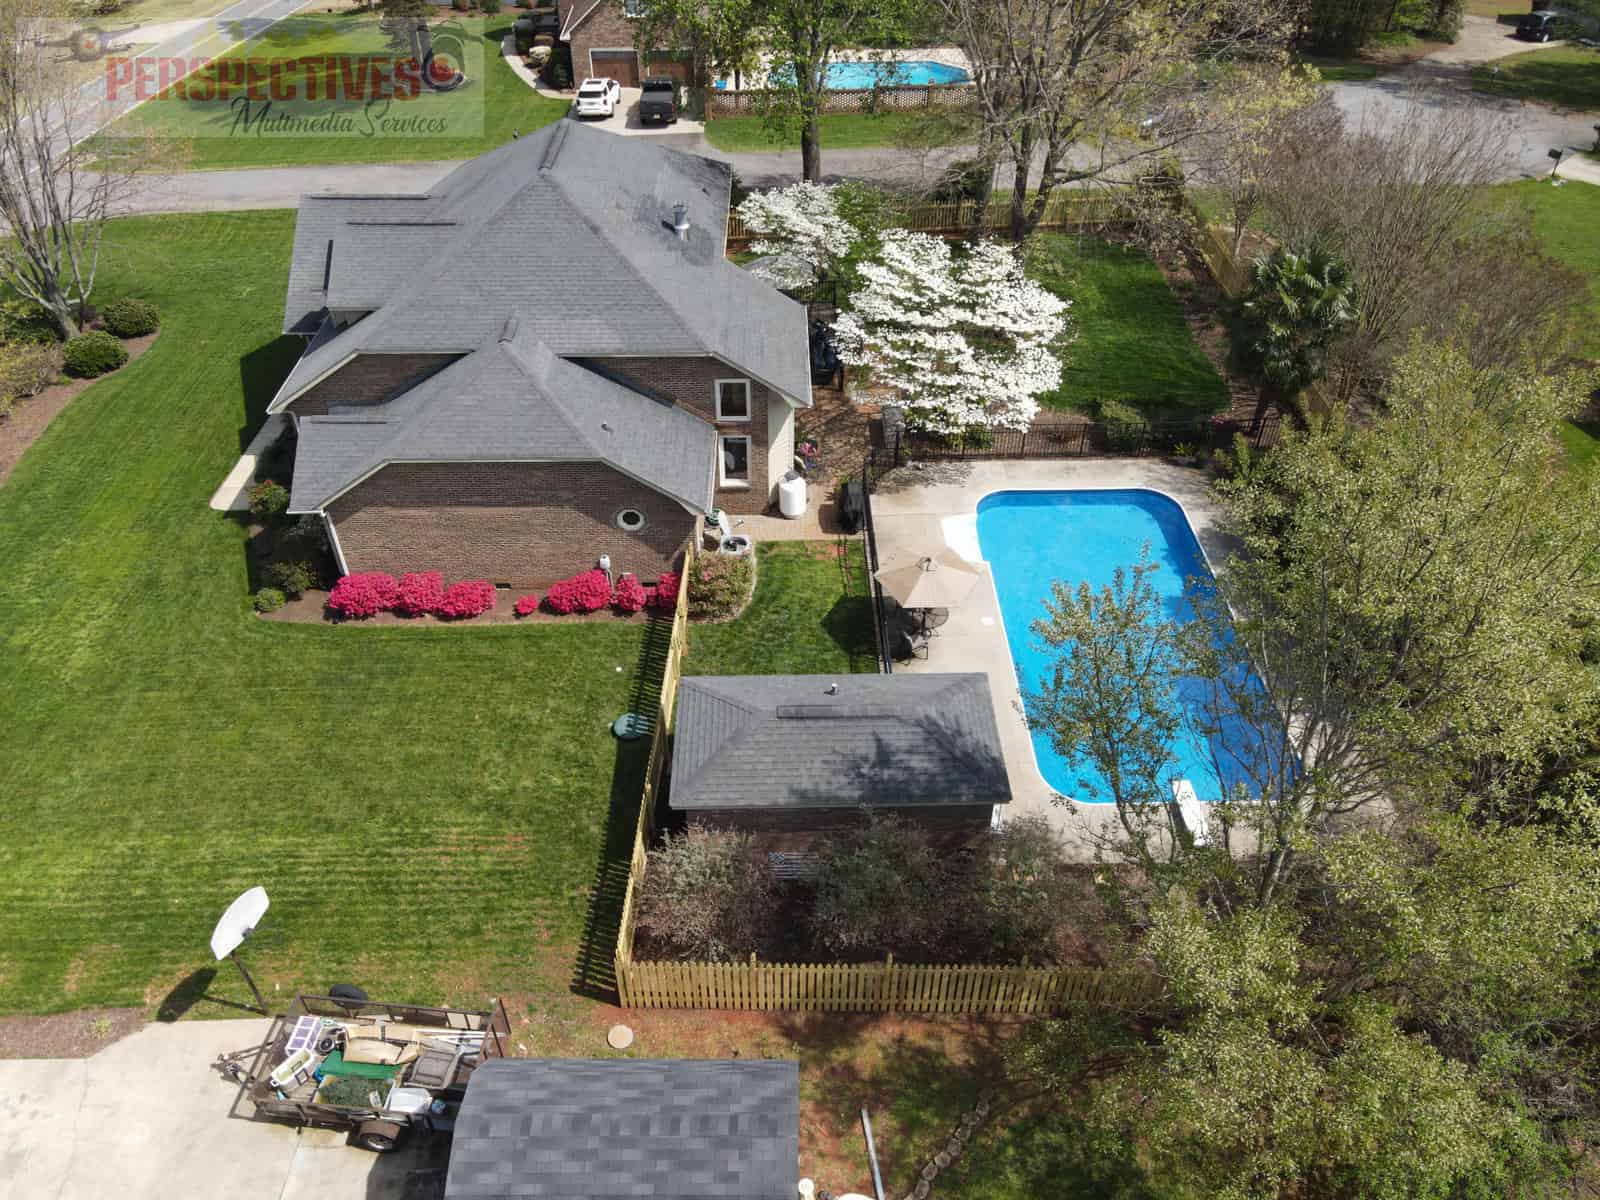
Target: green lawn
(1342, 70)
(1568, 76)
(455, 125)
(840, 131)
(1131, 343)
(427, 807)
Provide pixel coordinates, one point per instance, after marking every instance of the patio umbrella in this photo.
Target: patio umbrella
(938, 579)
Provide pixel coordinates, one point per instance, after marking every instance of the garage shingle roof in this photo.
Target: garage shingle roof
(570, 226)
(882, 741)
(609, 1129)
(511, 400)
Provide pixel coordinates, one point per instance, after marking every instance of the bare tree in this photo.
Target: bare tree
(1401, 202)
(1083, 89)
(56, 189)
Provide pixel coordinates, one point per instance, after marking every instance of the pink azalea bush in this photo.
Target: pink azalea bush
(364, 595)
(527, 605)
(585, 593)
(421, 593)
(665, 593)
(631, 596)
(469, 598)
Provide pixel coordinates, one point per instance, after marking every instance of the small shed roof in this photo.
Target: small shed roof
(821, 741)
(604, 1129)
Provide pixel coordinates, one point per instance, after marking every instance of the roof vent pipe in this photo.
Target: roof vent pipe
(680, 220)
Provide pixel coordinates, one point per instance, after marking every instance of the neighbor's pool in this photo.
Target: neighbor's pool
(1033, 539)
(846, 76)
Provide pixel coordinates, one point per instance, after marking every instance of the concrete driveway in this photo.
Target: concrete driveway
(148, 1119)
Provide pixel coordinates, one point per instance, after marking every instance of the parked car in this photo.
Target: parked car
(658, 100)
(598, 97)
(1538, 26)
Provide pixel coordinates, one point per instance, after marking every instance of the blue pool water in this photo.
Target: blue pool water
(843, 76)
(1033, 539)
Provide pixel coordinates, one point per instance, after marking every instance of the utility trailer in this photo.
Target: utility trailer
(377, 1068)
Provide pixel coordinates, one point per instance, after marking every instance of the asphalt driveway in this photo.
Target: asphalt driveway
(147, 1119)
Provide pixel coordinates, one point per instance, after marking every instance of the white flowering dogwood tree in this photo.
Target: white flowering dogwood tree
(961, 333)
(801, 233)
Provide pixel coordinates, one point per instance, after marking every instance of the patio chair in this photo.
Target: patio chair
(907, 643)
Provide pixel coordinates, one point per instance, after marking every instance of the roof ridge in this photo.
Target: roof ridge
(725, 746)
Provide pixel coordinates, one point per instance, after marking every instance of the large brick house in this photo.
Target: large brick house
(600, 34)
(544, 359)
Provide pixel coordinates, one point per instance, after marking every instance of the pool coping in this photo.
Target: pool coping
(1005, 634)
(914, 506)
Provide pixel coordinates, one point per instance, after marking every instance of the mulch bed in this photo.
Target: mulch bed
(67, 1035)
(30, 418)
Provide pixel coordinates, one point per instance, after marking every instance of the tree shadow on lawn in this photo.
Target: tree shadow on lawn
(594, 971)
(261, 374)
(849, 624)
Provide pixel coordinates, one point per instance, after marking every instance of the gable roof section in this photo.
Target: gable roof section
(512, 400)
(883, 741)
(571, 228)
(604, 1129)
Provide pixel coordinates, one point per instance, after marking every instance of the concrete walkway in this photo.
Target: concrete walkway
(937, 505)
(148, 1119)
(234, 493)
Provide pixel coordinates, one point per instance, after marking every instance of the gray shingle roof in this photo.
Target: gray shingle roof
(510, 400)
(569, 226)
(764, 741)
(605, 1129)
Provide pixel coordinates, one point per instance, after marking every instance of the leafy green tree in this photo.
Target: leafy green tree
(400, 19)
(803, 37)
(1295, 307)
(719, 35)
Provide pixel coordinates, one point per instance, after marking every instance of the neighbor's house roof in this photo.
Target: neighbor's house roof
(783, 741)
(511, 400)
(569, 226)
(604, 1129)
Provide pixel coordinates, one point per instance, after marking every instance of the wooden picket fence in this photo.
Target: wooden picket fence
(1067, 208)
(872, 987)
(644, 825)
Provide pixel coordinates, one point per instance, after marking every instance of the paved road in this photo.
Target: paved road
(147, 1119)
(1532, 129)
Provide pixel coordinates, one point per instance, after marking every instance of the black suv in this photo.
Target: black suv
(658, 100)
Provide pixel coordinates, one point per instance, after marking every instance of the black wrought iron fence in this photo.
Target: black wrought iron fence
(878, 461)
(1070, 437)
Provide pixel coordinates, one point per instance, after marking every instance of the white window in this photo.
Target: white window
(635, 8)
(733, 399)
(736, 462)
(630, 520)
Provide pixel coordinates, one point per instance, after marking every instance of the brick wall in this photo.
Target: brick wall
(690, 383)
(522, 524)
(369, 379)
(604, 29)
(795, 829)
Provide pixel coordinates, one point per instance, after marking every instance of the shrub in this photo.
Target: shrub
(489, 7)
(469, 598)
(304, 535)
(269, 599)
(90, 355)
(859, 869)
(527, 605)
(278, 461)
(706, 895)
(26, 369)
(585, 593)
(665, 592)
(631, 596)
(719, 585)
(1125, 425)
(560, 73)
(25, 321)
(421, 593)
(294, 578)
(268, 500)
(131, 318)
(364, 595)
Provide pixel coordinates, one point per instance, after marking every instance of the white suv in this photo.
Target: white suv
(598, 97)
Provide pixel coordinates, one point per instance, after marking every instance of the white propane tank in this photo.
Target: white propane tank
(792, 497)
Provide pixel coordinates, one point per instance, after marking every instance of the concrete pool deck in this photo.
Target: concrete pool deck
(936, 504)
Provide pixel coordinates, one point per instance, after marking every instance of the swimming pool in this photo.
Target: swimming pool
(1033, 539)
(846, 76)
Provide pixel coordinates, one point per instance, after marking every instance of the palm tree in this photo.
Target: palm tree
(1294, 308)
